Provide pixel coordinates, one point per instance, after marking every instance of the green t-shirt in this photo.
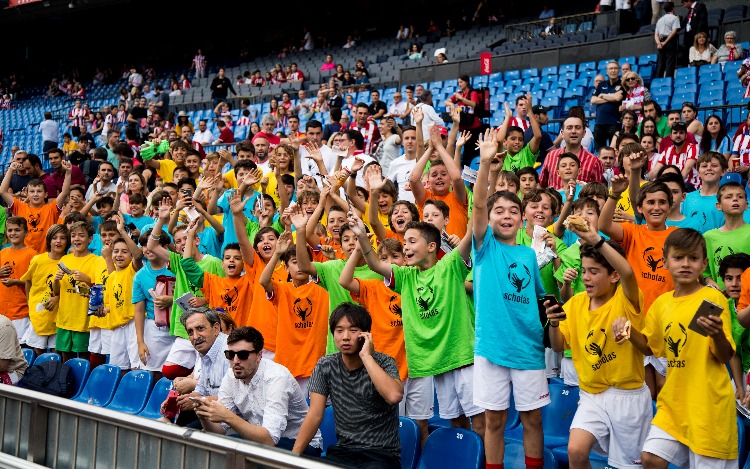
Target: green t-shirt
(548, 271)
(328, 277)
(438, 326)
(182, 285)
(3, 216)
(741, 337)
(571, 259)
(720, 244)
(520, 160)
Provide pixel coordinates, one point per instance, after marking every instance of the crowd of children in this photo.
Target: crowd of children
(481, 287)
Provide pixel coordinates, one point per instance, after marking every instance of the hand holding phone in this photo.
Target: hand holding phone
(552, 307)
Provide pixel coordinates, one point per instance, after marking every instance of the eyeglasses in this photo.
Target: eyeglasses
(241, 354)
(631, 79)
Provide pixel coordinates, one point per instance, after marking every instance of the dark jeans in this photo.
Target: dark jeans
(47, 146)
(288, 444)
(362, 458)
(603, 134)
(666, 60)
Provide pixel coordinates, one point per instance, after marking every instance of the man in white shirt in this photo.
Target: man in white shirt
(106, 174)
(430, 117)
(203, 135)
(401, 167)
(314, 134)
(135, 78)
(399, 109)
(50, 132)
(260, 399)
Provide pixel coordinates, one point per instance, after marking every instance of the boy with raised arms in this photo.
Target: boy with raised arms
(696, 422)
(518, 155)
(508, 325)
(615, 405)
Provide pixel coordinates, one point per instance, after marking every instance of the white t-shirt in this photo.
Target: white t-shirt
(399, 173)
(309, 167)
(430, 117)
(349, 160)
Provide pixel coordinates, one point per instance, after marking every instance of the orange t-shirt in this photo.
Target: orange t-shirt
(39, 221)
(303, 324)
(384, 306)
(643, 249)
(459, 212)
(263, 315)
(744, 300)
(234, 295)
(14, 302)
(318, 256)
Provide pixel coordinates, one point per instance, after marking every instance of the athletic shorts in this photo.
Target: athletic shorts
(159, 344)
(21, 325)
(124, 348)
(665, 446)
(552, 361)
(42, 342)
(72, 341)
(419, 398)
(182, 353)
(100, 341)
(659, 364)
(454, 393)
(568, 372)
(492, 387)
(619, 419)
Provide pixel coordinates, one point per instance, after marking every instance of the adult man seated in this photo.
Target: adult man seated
(365, 391)
(260, 400)
(204, 331)
(12, 362)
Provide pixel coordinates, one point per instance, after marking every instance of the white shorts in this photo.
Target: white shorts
(100, 341)
(552, 361)
(568, 372)
(159, 343)
(419, 398)
(619, 419)
(182, 353)
(42, 342)
(454, 393)
(124, 349)
(659, 364)
(492, 387)
(665, 446)
(21, 325)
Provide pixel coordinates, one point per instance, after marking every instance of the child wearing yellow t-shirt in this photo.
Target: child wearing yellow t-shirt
(695, 422)
(615, 404)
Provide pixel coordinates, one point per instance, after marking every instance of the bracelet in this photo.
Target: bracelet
(155, 238)
(600, 243)
(364, 254)
(554, 325)
(614, 197)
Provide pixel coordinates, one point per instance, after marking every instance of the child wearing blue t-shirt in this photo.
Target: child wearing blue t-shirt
(701, 204)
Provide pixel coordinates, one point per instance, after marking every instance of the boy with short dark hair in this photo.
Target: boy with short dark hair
(731, 269)
(518, 155)
(701, 204)
(733, 236)
(682, 433)
(14, 263)
(568, 168)
(675, 218)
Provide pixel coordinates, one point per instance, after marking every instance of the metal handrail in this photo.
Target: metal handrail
(236, 450)
(519, 31)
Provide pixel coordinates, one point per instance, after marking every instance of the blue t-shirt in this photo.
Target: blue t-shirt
(96, 221)
(609, 112)
(143, 281)
(724, 146)
(703, 209)
(228, 220)
(139, 222)
(210, 242)
(570, 238)
(508, 332)
(564, 192)
(686, 222)
(95, 246)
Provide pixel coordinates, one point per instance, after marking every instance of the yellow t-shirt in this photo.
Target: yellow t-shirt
(624, 203)
(117, 296)
(230, 180)
(272, 185)
(382, 217)
(42, 270)
(166, 169)
(696, 405)
(72, 312)
(102, 274)
(600, 362)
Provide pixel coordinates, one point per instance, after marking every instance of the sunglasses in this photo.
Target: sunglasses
(241, 354)
(631, 79)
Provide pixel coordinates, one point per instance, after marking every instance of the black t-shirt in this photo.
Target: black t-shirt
(77, 158)
(138, 113)
(375, 107)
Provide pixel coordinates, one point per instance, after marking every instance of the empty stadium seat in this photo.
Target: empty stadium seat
(28, 354)
(411, 442)
(549, 71)
(101, 386)
(157, 397)
(685, 75)
(529, 72)
(452, 447)
(132, 392)
(45, 357)
(80, 368)
(515, 458)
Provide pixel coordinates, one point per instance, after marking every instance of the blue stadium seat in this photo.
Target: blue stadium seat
(132, 392)
(602, 65)
(685, 87)
(662, 99)
(551, 102)
(328, 429)
(629, 59)
(575, 92)
(686, 75)
(512, 75)
(730, 68)
(529, 72)
(709, 95)
(549, 71)
(710, 75)
(684, 97)
(100, 386)
(515, 458)
(566, 68)
(411, 442)
(157, 397)
(80, 368)
(556, 417)
(28, 354)
(647, 59)
(452, 447)
(45, 357)
(570, 29)
(240, 132)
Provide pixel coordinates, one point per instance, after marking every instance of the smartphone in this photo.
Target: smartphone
(706, 309)
(191, 213)
(553, 302)
(66, 270)
(196, 401)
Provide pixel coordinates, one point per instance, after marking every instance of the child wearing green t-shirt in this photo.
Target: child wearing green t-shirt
(518, 155)
(733, 237)
(731, 270)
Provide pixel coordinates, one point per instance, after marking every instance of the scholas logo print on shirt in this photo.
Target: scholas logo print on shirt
(230, 299)
(720, 253)
(12, 267)
(702, 217)
(596, 340)
(425, 295)
(34, 221)
(119, 298)
(520, 278)
(675, 336)
(303, 308)
(654, 259)
(394, 306)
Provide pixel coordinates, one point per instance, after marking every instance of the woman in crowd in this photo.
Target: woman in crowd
(176, 91)
(730, 50)
(702, 52)
(714, 137)
(690, 117)
(635, 94)
(629, 125)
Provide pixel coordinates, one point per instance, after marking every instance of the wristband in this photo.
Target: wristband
(155, 238)
(554, 325)
(600, 243)
(364, 254)
(614, 197)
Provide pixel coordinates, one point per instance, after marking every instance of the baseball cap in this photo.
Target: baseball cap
(730, 177)
(539, 109)
(443, 131)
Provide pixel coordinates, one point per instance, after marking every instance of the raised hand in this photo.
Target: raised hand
(487, 146)
(67, 166)
(284, 242)
(435, 139)
(637, 160)
(463, 137)
(570, 275)
(253, 177)
(508, 112)
(356, 224)
(120, 187)
(418, 116)
(313, 152)
(358, 164)
(225, 154)
(456, 115)
(236, 203)
(165, 209)
(298, 218)
(619, 184)
(376, 179)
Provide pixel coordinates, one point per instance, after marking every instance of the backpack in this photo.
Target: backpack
(482, 109)
(51, 377)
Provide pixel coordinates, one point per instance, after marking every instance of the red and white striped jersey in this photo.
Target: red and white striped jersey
(678, 158)
(243, 120)
(79, 116)
(741, 147)
(518, 122)
(297, 75)
(200, 62)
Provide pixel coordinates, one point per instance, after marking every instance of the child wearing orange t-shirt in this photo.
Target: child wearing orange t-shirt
(643, 247)
(445, 183)
(399, 215)
(302, 307)
(14, 262)
(39, 215)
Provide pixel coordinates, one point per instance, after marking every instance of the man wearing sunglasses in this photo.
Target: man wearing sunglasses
(260, 400)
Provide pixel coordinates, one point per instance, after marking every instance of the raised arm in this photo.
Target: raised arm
(388, 387)
(454, 172)
(237, 204)
(347, 279)
(351, 187)
(376, 183)
(567, 209)
(153, 240)
(5, 186)
(480, 213)
(135, 250)
(606, 222)
(418, 117)
(535, 128)
(300, 222)
(309, 228)
(456, 118)
(415, 177)
(68, 166)
(376, 265)
(266, 277)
